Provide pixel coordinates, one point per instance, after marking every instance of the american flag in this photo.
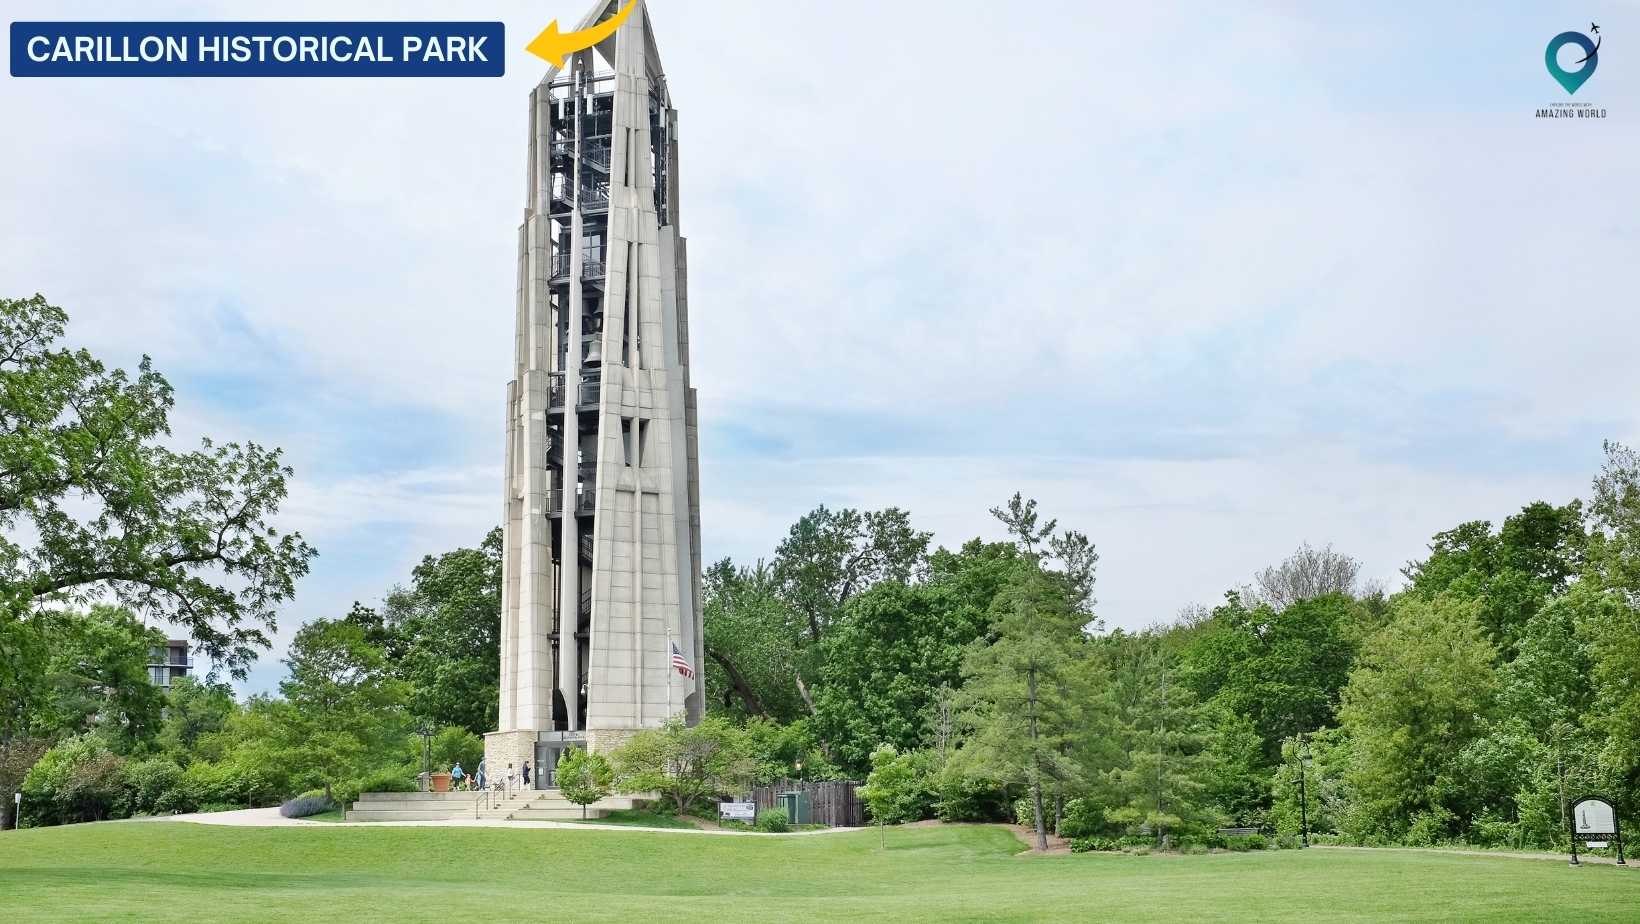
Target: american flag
(680, 663)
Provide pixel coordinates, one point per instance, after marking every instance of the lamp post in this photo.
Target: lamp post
(799, 771)
(1303, 790)
(426, 734)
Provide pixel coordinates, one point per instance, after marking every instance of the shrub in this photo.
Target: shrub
(1083, 818)
(1288, 842)
(220, 807)
(959, 797)
(78, 780)
(1024, 813)
(1243, 844)
(1085, 844)
(305, 805)
(1429, 828)
(773, 821)
(229, 784)
(380, 781)
(151, 786)
(898, 788)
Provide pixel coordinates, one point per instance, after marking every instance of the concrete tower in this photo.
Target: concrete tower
(601, 569)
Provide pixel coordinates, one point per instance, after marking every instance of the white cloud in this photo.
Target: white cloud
(1334, 252)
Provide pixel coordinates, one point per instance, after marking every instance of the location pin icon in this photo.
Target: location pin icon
(1571, 80)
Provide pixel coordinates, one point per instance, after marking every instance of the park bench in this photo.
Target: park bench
(1237, 832)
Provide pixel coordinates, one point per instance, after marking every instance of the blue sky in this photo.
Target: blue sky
(1209, 280)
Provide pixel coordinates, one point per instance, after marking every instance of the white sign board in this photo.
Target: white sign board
(737, 811)
(1594, 816)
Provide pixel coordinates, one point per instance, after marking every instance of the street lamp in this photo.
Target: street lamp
(799, 771)
(426, 734)
(1303, 790)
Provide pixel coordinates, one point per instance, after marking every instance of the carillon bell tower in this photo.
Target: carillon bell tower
(600, 612)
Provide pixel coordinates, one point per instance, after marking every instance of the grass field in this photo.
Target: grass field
(164, 871)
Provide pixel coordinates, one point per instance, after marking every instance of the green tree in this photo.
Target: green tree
(899, 788)
(1161, 782)
(886, 658)
(1511, 573)
(584, 778)
(686, 764)
(1421, 692)
(1284, 669)
(114, 512)
(1022, 692)
(194, 708)
(346, 712)
(98, 677)
(753, 644)
(443, 635)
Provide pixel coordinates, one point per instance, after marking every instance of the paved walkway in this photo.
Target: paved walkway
(270, 818)
(1512, 855)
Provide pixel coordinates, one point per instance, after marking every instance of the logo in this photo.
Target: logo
(1572, 80)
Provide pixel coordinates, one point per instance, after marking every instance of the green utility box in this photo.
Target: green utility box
(799, 811)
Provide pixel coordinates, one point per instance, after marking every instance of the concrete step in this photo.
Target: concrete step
(423, 797)
(572, 813)
(370, 814)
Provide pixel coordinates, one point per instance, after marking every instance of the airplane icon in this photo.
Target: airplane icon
(1594, 28)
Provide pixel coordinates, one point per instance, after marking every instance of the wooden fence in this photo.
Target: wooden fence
(834, 803)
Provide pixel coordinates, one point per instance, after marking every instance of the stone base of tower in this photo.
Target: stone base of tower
(508, 747)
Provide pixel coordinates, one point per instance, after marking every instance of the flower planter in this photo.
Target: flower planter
(441, 782)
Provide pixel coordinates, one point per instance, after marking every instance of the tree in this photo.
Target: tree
(346, 710)
(443, 635)
(194, 708)
(829, 556)
(1021, 691)
(1283, 668)
(1512, 573)
(686, 764)
(898, 789)
(888, 655)
(112, 512)
(1074, 551)
(1422, 690)
(584, 778)
(1306, 574)
(753, 643)
(1161, 779)
(98, 676)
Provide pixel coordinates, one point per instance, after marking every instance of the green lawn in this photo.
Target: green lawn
(642, 818)
(162, 871)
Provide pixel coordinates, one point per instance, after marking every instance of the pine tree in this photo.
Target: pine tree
(1021, 697)
(1161, 782)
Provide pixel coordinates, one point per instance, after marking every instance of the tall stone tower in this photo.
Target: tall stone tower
(601, 569)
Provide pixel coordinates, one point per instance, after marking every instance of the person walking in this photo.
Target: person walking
(480, 778)
(457, 777)
(526, 774)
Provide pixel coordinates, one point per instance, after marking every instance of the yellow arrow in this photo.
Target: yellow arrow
(552, 45)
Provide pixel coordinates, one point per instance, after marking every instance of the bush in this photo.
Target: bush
(381, 781)
(1243, 844)
(228, 784)
(305, 805)
(958, 797)
(1086, 844)
(897, 790)
(773, 821)
(1288, 842)
(220, 807)
(1083, 818)
(1429, 828)
(152, 786)
(78, 780)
